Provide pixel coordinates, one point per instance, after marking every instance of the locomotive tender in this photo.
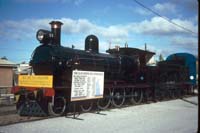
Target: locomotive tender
(126, 75)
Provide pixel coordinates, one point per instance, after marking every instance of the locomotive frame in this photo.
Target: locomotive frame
(126, 76)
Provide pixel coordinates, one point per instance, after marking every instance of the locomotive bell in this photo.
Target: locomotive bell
(92, 44)
(56, 31)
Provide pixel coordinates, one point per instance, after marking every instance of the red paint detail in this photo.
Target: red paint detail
(15, 89)
(47, 91)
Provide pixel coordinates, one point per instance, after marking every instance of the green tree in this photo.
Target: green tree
(161, 57)
(4, 58)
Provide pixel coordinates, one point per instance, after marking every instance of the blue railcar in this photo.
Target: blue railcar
(189, 61)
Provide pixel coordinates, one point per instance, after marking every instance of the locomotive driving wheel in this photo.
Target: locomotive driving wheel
(86, 106)
(104, 103)
(137, 96)
(57, 108)
(118, 97)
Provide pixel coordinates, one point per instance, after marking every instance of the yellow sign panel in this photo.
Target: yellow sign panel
(35, 81)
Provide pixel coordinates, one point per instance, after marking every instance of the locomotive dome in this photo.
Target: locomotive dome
(92, 44)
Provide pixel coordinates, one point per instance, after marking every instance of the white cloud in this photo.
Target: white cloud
(186, 42)
(23, 29)
(159, 26)
(155, 26)
(76, 26)
(117, 34)
(188, 5)
(160, 8)
(165, 8)
(142, 11)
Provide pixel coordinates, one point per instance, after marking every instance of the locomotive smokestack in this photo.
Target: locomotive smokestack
(56, 30)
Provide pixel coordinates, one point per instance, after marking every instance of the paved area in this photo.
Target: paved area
(9, 115)
(176, 116)
(4, 110)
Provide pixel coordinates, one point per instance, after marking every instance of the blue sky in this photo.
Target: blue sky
(114, 22)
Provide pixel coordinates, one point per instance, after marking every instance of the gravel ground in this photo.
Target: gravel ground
(8, 115)
(176, 116)
(7, 109)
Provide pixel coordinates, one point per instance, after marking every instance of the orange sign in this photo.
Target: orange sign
(35, 81)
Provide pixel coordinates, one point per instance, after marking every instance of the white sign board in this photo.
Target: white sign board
(87, 85)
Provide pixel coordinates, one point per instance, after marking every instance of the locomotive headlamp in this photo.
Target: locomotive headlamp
(91, 39)
(44, 36)
(191, 77)
(55, 26)
(40, 36)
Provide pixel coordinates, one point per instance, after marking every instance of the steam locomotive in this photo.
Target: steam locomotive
(126, 75)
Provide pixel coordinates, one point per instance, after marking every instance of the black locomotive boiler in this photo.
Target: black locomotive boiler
(126, 75)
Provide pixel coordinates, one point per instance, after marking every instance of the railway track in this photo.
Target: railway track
(9, 115)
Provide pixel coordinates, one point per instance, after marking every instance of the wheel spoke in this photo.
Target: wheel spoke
(86, 107)
(104, 103)
(137, 96)
(118, 98)
(58, 107)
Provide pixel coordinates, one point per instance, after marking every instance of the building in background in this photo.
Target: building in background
(22, 69)
(6, 79)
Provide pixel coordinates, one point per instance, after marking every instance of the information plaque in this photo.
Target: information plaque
(87, 85)
(35, 81)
